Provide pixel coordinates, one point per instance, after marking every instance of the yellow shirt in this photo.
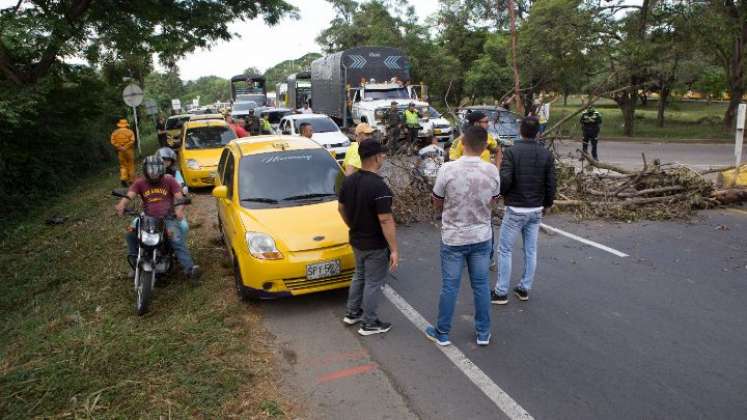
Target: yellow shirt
(457, 149)
(352, 158)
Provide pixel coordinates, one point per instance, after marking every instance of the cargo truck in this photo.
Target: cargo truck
(359, 85)
(299, 90)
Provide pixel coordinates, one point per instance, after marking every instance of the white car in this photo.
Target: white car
(326, 132)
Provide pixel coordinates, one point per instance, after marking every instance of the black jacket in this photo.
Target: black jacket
(528, 175)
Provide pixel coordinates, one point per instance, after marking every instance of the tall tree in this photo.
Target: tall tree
(721, 26)
(36, 34)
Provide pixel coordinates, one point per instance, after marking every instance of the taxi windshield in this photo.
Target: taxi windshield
(208, 137)
(288, 178)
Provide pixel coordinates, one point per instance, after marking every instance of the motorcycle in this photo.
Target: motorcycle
(154, 259)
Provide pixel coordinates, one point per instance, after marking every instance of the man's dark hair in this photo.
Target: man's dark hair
(529, 127)
(302, 126)
(476, 138)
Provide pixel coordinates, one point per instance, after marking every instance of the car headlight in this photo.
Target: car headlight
(345, 143)
(262, 246)
(150, 239)
(193, 164)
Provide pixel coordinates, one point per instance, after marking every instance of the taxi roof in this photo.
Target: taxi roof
(273, 143)
(216, 122)
(198, 117)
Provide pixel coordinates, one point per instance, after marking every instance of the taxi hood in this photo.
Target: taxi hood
(205, 157)
(299, 228)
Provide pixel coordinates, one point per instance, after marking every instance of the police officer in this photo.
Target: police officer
(412, 122)
(591, 119)
(394, 126)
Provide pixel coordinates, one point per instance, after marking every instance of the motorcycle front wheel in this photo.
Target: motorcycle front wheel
(144, 281)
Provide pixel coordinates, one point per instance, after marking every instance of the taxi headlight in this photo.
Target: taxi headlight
(262, 246)
(193, 164)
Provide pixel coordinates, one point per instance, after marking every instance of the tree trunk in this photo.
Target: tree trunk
(663, 98)
(735, 74)
(626, 101)
(565, 97)
(517, 81)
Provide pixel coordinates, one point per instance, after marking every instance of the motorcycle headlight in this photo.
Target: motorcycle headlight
(193, 164)
(150, 239)
(262, 246)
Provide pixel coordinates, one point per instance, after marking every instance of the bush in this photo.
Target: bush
(52, 134)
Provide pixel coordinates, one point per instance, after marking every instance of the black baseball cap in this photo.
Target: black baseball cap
(370, 147)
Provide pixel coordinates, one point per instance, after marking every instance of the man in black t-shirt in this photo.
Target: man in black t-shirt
(365, 204)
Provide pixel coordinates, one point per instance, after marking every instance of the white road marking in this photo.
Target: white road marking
(585, 241)
(500, 398)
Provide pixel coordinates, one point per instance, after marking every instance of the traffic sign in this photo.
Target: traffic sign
(176, 104)
(150, 107)
(132, 95)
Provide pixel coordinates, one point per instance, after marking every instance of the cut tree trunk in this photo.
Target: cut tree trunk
(663, 98)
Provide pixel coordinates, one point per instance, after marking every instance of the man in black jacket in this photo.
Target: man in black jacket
(528, 189)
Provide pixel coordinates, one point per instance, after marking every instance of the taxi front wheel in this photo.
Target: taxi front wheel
(244, 293)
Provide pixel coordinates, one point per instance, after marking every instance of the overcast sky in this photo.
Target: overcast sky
(263, 46)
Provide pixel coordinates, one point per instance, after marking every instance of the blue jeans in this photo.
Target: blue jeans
(514, 223)
(453, 258)
(177, 235)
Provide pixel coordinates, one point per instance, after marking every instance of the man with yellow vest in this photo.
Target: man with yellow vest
(123, 139)
(412, 122)
(481, 120)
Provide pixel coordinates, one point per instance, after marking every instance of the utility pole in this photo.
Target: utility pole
(517, 80)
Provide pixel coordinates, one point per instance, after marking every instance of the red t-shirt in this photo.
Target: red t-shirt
(157, 199)
(239, 131)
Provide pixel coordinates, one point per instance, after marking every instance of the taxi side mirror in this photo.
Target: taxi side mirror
(220, 191)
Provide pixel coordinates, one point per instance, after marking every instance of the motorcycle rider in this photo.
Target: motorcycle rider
(159, 192)
(168, 156)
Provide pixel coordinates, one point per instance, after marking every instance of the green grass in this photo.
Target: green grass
(72, 346)
(683, 120)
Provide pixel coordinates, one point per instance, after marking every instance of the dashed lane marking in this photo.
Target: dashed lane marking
(585, 241)
(499, 397)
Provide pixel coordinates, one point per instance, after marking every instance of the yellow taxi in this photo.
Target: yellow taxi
(277, 212)
(202, 143)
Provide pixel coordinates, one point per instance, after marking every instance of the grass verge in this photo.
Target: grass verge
(72, 347)
(683, 120)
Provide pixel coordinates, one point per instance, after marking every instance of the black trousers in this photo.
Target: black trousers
(412, 135)
(593, 141)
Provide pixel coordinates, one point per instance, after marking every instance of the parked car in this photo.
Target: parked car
(201, 146)
(436, 125)
(277, 213)
(326, 132)
(504, 124)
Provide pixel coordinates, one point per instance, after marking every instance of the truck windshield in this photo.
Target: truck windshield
(283, 179)
(320, 125)
(243, 106)
(397, 93)
(209, 137)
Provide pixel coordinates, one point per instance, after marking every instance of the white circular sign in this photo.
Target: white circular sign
(132, 95)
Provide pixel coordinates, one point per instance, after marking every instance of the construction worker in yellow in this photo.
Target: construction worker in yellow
(481, 120)
(123, 139)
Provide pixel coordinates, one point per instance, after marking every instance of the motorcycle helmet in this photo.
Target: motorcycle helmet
(153, 169)
(167, 153)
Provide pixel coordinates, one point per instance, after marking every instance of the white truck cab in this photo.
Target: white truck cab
(371, 102)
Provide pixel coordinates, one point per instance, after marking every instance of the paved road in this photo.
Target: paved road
(657, 334)
(699, 156)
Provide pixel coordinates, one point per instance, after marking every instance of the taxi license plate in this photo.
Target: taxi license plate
(322, 270)
(437, 131)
